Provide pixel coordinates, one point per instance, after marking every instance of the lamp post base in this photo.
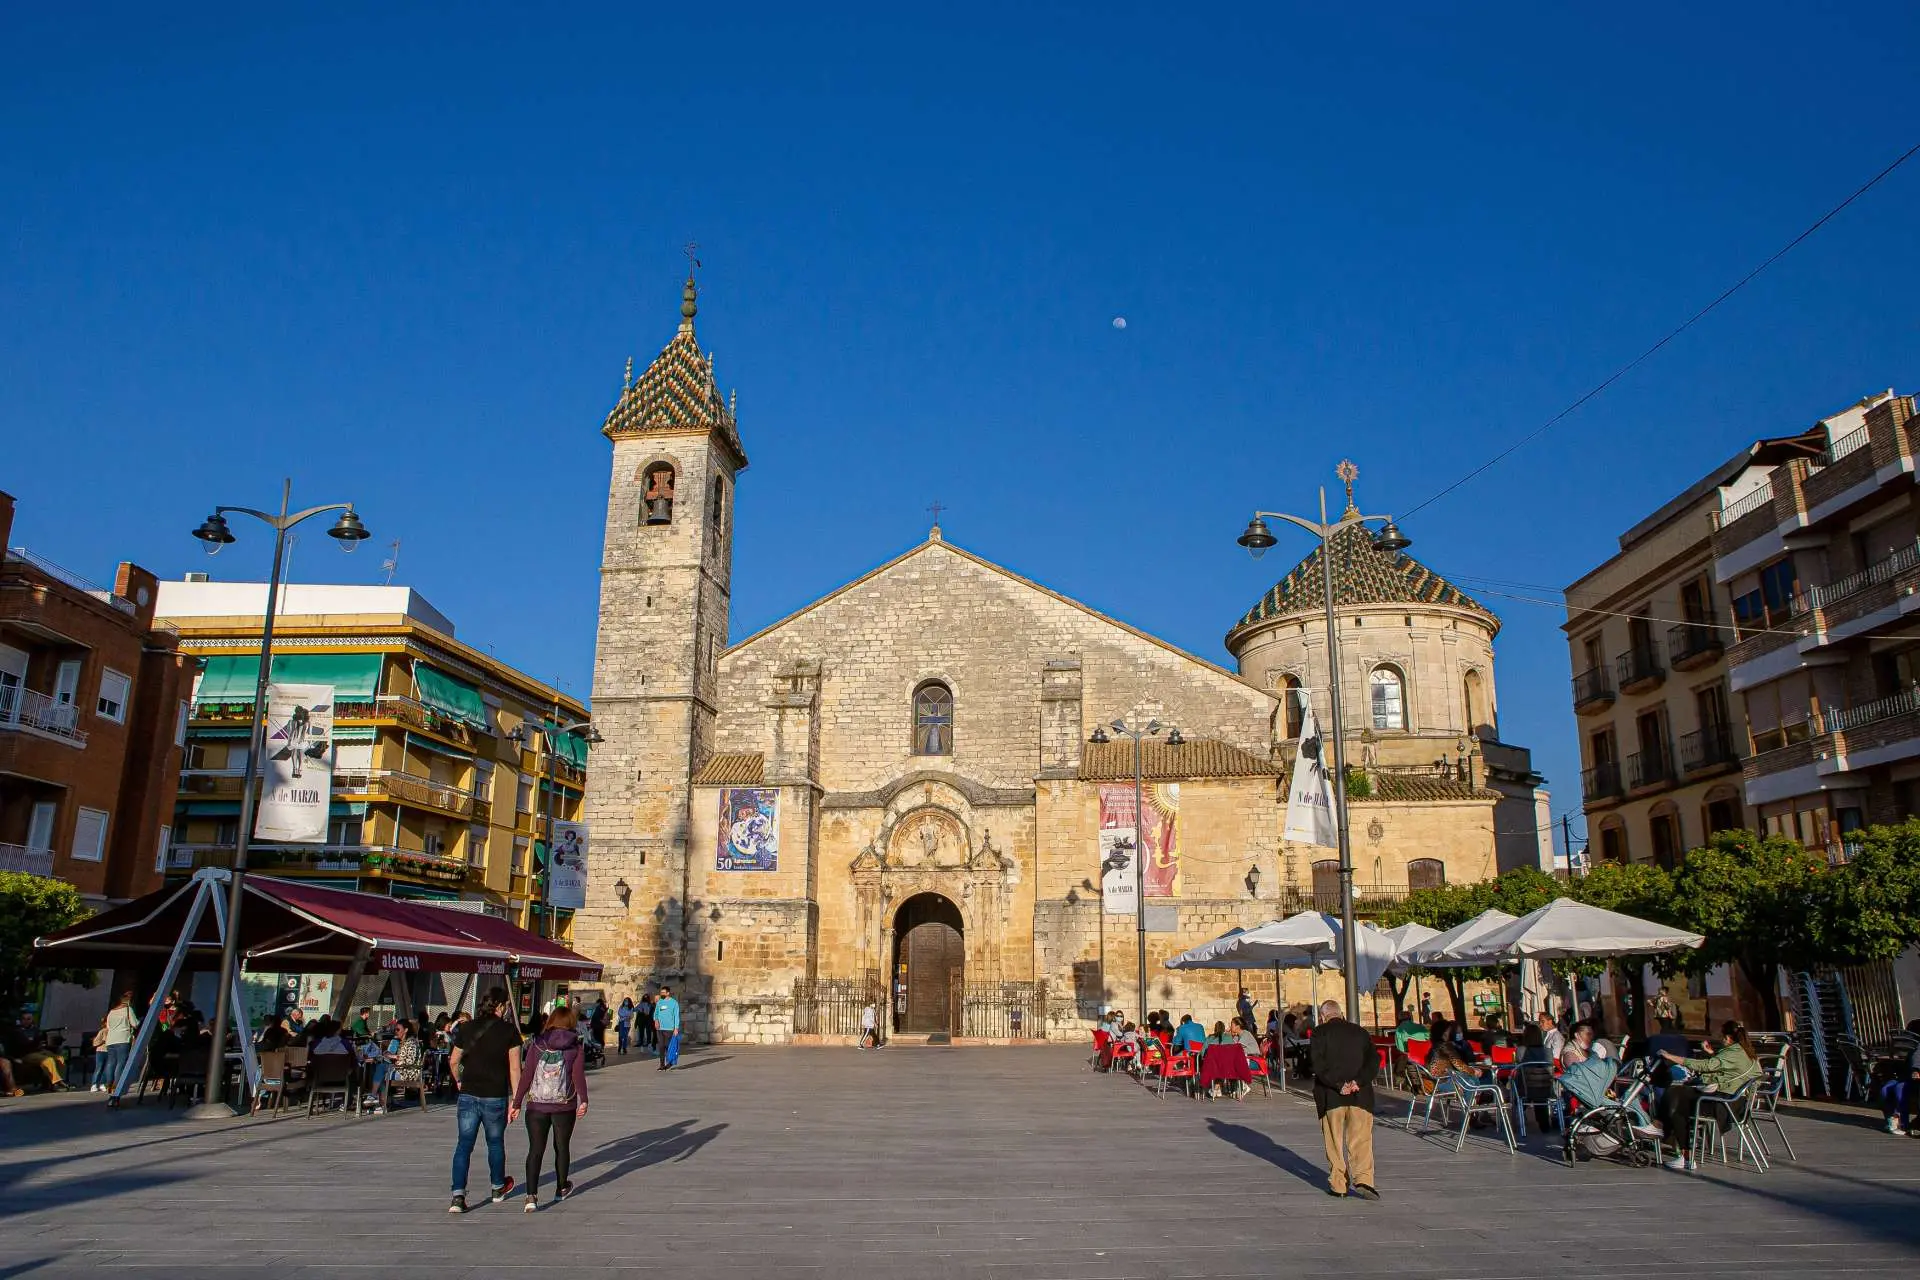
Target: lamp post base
(212, 1111)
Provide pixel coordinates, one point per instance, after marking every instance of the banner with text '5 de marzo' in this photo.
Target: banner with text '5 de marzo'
(297, 766)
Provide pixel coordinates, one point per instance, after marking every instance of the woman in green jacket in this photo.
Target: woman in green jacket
(1722, 1072)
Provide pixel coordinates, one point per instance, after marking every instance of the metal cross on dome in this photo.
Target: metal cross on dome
(1348, 473)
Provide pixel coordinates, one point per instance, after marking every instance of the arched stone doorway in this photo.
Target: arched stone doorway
(929, 956)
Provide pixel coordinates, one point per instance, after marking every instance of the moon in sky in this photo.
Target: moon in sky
(1119, 322)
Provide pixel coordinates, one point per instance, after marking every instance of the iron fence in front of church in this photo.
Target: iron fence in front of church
(1004, 1011)
(832, 1006)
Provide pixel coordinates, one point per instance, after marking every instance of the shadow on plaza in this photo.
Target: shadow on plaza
(676, 1141)
(1258, 1144)
(690, 1064)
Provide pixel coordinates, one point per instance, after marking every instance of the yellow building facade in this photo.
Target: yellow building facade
(442, 783)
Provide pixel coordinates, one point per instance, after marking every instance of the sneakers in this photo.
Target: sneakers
(459, 1204)
(1646, 1130)
(1893, 1126)
(1365, 1192)
(566, 1189)
(532, 1204)
(1682, 1164)
(502, 1192)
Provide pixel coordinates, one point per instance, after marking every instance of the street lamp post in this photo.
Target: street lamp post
(1256, 540)
(213, 531)
(1139, 734)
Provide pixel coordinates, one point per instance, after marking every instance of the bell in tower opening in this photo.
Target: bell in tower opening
(656, 500)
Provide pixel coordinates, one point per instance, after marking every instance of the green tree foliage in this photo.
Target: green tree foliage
(1869, 908)
(1757, 899)
(30, 907)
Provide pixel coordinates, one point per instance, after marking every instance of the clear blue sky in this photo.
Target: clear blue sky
(401, 253)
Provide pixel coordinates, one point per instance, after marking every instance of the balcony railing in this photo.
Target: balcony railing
(408, 788)
(1845, 445)
(1746, 506)
(318, 857)
(1639, 667)
(1693, 644)
(32, 862)
(1650, 768)
(22, 708)
(1601, 781)
(1591, 687)
(1907, 557)
(71, 578)
(1706, 749)
(1838, 721)
(1366, 898)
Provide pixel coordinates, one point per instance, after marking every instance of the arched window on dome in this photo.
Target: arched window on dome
(1293, 709)
(1387, 695)
(1478, 713)
(933, 720)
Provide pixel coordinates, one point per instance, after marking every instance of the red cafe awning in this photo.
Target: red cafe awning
(301, 927)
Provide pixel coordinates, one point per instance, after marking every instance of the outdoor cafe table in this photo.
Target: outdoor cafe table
(1224, 1064)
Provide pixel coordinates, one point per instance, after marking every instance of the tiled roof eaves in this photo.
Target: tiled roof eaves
(745, 769)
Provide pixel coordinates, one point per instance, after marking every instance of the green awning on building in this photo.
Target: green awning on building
(420, 893)
(232, 679)
(353, 733)
(450, 695)
(570, 747)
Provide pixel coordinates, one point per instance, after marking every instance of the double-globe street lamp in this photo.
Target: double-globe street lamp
(213, 531)
(1139, 734)
(1257, 539)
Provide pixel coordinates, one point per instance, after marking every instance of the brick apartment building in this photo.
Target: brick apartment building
(93, 701)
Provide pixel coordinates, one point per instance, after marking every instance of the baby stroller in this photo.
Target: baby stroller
(596, 1055)
(1611, 1120)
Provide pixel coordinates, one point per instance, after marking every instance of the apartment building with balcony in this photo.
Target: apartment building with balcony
(441, 782)
(1648, 632)
(92, 712)
(1819, 554)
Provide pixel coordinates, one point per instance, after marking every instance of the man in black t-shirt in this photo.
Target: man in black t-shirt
(486, 1070)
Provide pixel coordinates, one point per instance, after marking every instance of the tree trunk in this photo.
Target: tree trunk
(1400, 986)
(1628, 988)
(1456, 982)
(1765, 980)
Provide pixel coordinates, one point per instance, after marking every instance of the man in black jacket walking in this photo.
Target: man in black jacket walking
(1344, 1061)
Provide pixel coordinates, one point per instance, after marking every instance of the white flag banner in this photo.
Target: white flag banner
(1310, 814)
(567, 868)
(297, 768)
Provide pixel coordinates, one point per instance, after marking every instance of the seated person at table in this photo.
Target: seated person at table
(25, 1045)
(1220, 1035)
(1897, 1085)
(273, 1034)
(1450, 1053)
(1410, 1028)
(1723, 1071)
(1110, 1022)
(1243, 1036)
(1188, 1034)
(328, 1038)
(1129, 1035)
(1290, 1032)
(1579, 1044)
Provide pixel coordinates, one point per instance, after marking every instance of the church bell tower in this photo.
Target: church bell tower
(665, 574)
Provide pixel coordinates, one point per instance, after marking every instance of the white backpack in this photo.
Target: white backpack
(552, 1083)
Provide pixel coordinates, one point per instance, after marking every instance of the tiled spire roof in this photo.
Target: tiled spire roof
(1362, 574)
(676, 394)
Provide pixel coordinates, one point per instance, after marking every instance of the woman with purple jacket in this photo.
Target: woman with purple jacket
(553, 1093)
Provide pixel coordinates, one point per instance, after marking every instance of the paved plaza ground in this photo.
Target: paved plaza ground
(917, 1162)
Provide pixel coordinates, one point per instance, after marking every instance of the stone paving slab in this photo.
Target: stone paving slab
(970, 1162)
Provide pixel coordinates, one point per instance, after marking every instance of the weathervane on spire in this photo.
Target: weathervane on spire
(1348, 473)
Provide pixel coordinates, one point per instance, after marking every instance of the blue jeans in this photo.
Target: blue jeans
(474, 1114)
(108, 1062)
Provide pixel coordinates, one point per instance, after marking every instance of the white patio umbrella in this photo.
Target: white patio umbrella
(1569, 930)
(1404, 938)
(1445, 950)
(1309, 940)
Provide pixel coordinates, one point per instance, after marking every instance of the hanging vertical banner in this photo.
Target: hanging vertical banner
(1119, 840)
(567, 869)
(1162, 839)
(1310, 813)
(749, 829)
(297, 782)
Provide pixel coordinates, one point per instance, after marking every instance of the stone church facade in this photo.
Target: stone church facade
(895, 787)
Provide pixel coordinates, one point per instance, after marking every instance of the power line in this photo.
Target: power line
(1738, 630)
(1695, 318)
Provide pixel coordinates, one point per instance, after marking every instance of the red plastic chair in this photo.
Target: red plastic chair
(1503, 1055)
(1178, 1066)
(1152, 1054)
(1257, 1063)
(1123, 1056)
(1101, 1041)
